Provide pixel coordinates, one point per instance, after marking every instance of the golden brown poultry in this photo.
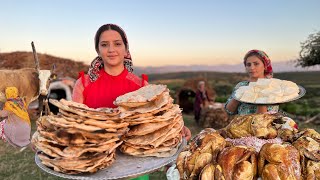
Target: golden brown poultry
(308, 144)
(238, 162)
(181, 163)
(278, 161)
(309, 133)
(212, 143)
(258, 125)
(197, 140)
(211, 172)
(201, 161)
(308, 147)
(287, 129)
(312, 170)
(202, 150)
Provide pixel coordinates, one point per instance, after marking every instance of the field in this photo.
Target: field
(20, 165)
(223, 84)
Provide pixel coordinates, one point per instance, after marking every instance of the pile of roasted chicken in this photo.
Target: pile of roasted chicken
(79, 139)
(155, 123)
(266, 146)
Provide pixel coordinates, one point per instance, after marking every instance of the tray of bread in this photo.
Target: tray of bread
(125, 166)
(269, 91)
(139, 136)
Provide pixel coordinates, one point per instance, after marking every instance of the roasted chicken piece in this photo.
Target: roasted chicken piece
(281, 162)
(258, 125)
(287, 128)
(203, 150)
(201, 161)
(308, 145)
(238, 162)
(312, 170)
(196, 141)
(180, 163)
(309, 133)
(211, 172)
(212, 143)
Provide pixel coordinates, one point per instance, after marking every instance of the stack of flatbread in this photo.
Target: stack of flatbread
(79, 139)
(155, 122)
(268, 91)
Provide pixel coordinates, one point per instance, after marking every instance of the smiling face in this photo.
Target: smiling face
(254, 67)
(111, 48)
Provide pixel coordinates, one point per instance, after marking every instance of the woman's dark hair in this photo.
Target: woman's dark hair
(109, 27)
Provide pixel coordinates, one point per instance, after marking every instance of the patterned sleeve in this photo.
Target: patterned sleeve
(143, 81)
(242, 83)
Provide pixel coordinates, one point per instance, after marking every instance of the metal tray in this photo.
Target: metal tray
(302, 92)
(124, 166)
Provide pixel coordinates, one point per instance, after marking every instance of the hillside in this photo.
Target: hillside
(64, 67)
(282, 66)
(303, 77)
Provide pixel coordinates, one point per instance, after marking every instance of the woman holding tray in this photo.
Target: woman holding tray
(257, 65)
(110, 74)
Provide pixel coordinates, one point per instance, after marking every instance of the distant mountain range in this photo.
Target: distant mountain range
(68, 67)
(284, 66)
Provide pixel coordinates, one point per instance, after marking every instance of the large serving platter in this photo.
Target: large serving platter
(125, 166)
(302, 92)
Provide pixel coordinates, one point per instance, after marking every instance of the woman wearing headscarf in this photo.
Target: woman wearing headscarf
(110, 74)
(15, 128)
(258, 65)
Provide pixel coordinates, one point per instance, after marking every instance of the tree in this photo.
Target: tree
(310, 51)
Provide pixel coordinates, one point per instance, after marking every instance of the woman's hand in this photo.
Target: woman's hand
(186, 133)
(32, 147)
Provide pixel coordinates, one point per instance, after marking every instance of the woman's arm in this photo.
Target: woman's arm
(232, 106)
(262, 109)
(186, 133)
(77, 93)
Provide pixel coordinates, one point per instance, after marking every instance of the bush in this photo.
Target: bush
(221, 99)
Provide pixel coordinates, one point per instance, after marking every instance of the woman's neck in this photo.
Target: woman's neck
(114, 70)
(255, 79)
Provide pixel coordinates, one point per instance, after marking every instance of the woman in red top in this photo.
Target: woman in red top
(110, 74)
